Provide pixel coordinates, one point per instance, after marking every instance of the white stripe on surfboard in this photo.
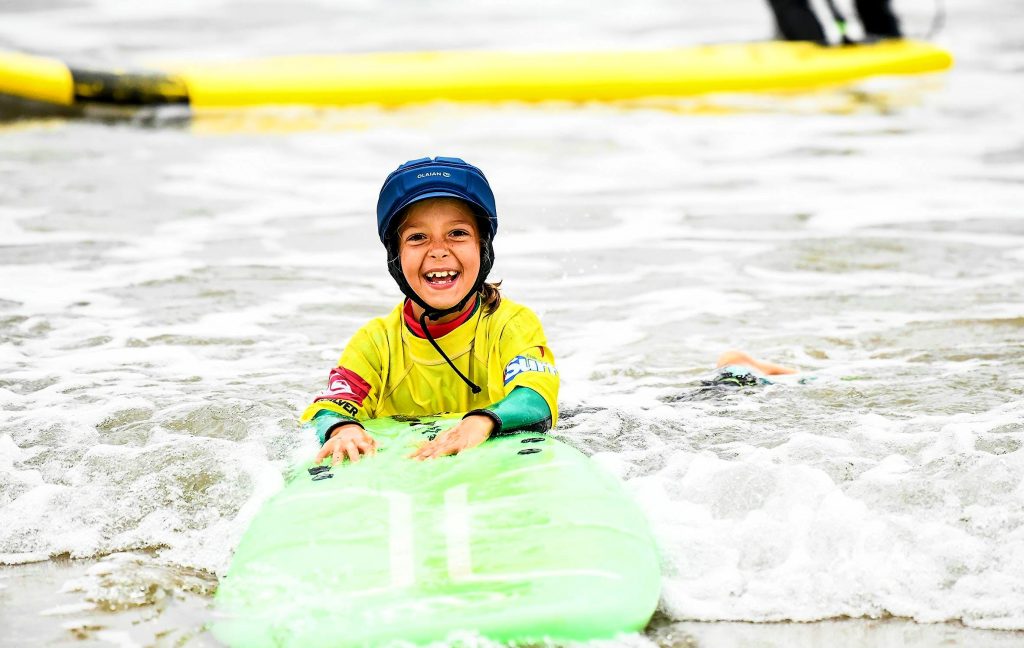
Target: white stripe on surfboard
(401, 550)
(400, 545)
(456, 530)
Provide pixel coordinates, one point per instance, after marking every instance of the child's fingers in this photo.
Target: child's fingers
(429, 446)
(337, 457)
(353, 452)
(450, 443)
(449, 446)
(419, 452)
(367, 447)
(423, 451)
(448, 449)
(437, 450)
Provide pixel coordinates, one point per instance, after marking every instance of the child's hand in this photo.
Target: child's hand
(350, 440)
(469, 433)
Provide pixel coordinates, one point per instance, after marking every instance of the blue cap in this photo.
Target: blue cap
(440, 177)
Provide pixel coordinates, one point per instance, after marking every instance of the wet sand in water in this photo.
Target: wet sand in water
(123, 600)
(119, 602)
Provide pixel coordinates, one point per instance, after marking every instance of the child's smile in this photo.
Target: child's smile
(442, 279)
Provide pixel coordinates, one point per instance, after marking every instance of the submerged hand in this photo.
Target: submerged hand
(469, 433)
(350, 440)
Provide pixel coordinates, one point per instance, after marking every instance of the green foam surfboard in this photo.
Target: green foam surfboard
(521, 539)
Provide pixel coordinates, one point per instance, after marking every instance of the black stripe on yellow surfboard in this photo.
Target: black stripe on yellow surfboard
(129, 89)
(50, 80)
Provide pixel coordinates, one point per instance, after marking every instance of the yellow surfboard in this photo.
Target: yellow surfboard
(392, 79)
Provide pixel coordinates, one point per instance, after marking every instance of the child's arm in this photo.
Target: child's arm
(522, 410)
(530, 380)
(326, 421)
(344, 401)
(351, 396)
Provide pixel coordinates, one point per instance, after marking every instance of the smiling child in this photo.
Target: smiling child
(454, 344)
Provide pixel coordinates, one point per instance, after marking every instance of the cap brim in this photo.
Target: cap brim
(437, 194)
(423, 197)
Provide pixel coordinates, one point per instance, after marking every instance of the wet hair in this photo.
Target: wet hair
(490, 297)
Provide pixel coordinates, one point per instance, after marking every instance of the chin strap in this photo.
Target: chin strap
(436, 314)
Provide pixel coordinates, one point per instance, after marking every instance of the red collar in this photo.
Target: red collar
(436, 330)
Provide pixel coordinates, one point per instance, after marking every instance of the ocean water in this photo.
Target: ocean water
(173, 291)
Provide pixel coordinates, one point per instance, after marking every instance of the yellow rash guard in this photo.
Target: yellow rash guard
(385, 369)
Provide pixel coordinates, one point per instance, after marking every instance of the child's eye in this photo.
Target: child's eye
(460, 233)
(415, 238)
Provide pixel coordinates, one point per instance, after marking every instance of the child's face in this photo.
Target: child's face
(439, 246)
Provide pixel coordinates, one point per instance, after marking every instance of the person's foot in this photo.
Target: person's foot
(735, 357)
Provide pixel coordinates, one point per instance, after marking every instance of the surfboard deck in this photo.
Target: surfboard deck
(520, 539)
(483, 76)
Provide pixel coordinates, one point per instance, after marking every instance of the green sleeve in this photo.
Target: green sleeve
(325, 420)
(522, 410)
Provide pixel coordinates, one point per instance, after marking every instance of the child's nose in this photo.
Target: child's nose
(439, 250)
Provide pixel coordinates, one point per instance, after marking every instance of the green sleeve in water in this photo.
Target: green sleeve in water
(522, 410)
(325, 420)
